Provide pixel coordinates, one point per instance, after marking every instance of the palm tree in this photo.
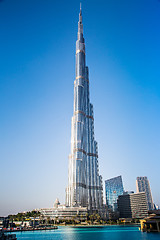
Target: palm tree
(91, 217)
(87, 215)
(98, 218)
(48, 220)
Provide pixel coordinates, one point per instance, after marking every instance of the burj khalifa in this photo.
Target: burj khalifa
(84, 182)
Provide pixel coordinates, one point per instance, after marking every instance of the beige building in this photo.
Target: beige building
(142, 185)
(133, 205)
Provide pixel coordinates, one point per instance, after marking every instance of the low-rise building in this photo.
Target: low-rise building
(152, 222)
(62, 212)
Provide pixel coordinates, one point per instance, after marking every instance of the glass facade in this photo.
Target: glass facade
(113, 188)
(84, 182)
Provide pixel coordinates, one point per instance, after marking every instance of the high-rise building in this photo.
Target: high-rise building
(113, 188)
(84, 182)
(132, 205)
(142, 185)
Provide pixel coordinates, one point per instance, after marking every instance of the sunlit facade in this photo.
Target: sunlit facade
(84, 182)
(113, 188)
(62, 212)
(142, 185)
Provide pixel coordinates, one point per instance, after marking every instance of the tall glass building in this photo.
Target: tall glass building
(84, 182)
(113, 188)
(142, 185)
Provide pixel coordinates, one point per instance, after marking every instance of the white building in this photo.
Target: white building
(61, 212)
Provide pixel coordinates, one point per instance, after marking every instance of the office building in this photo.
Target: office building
(142, 185)
(113, 188)
(133, 205)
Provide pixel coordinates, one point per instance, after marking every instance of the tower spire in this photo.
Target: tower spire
(80, 25)
(80, 14)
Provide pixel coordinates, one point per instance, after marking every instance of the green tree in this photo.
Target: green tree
(91, 217)
(48, 220)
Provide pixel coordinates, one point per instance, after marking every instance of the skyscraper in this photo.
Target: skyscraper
(113, 188)
(84, 182)
(142, 185)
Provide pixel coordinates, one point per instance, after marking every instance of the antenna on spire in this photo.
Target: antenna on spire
(80, 14)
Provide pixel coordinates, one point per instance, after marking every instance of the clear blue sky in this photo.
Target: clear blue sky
(37, 58)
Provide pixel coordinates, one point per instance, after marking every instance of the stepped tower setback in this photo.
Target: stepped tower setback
(84, 182)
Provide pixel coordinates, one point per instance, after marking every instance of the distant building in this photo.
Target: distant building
(156, 207)
(4, 222)
(113, 188)
(143, 185)
(61, 212)
(128, 192)
(133, 205)
(57, 203)
(1, 221)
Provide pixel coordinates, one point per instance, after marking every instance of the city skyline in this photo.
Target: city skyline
(37, 74)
